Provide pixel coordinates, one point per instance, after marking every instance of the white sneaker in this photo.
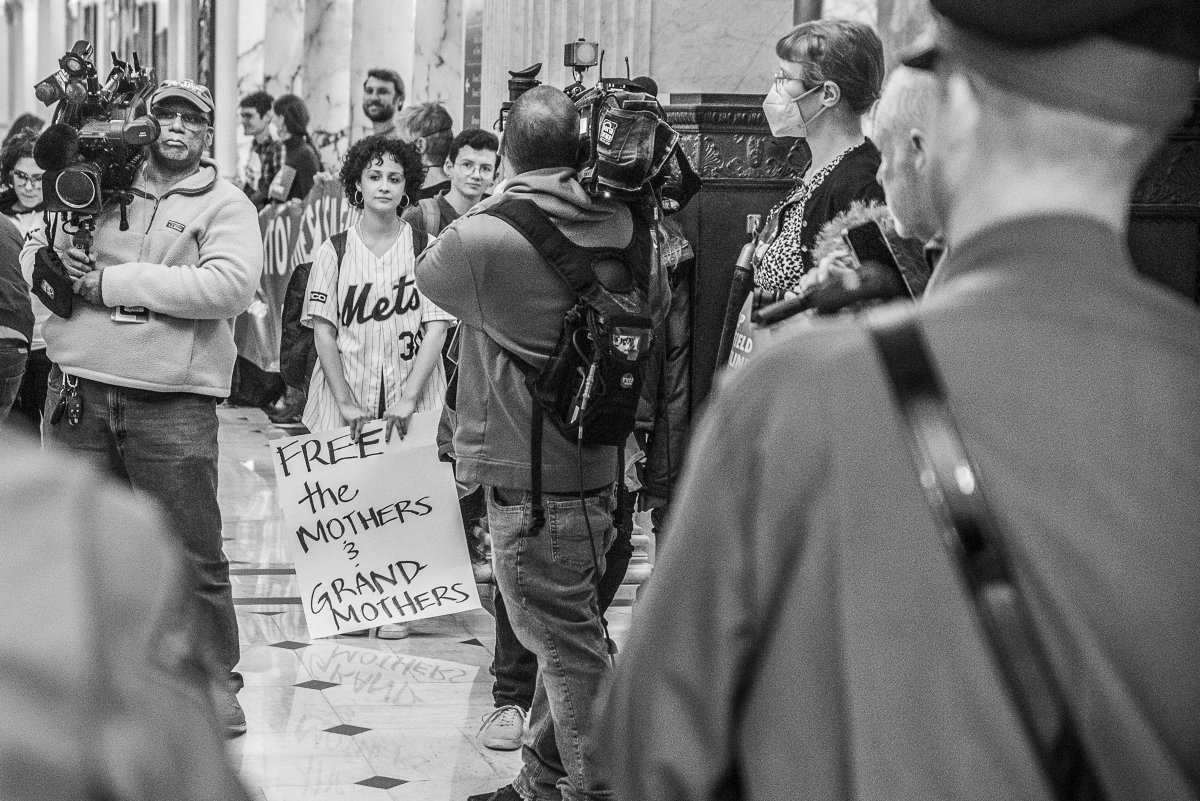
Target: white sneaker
(394, 631)
(503, 728)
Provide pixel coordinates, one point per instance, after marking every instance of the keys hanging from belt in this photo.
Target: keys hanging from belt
(70, 403)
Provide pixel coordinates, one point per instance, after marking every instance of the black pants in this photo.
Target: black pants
(515, 665)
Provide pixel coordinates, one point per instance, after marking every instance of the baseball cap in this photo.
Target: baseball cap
(194, 93)
(1129, 61)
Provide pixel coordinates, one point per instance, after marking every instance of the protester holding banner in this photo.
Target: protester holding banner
(378, 341)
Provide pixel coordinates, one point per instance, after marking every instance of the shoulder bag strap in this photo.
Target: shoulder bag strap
(974, 538)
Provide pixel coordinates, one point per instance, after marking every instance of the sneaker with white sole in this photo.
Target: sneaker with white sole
(503, 728)
(394, 631)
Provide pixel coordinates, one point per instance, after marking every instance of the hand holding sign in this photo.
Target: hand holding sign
(374, 527)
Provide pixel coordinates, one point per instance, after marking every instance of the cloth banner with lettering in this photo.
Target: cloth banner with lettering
(257, 331)
(325, 211)
(374, 528)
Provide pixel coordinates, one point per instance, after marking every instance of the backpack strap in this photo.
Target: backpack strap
(431, 215)
(972, 534)
(562, 254)
(338, 241)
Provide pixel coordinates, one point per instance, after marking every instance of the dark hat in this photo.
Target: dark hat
(194, 93)
(1131, 61)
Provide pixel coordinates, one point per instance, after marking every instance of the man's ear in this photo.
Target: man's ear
(419, 144)
(447, 166)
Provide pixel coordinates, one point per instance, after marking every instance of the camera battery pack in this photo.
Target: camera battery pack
(51, 283)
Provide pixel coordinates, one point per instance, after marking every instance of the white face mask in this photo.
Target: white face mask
(783, 113)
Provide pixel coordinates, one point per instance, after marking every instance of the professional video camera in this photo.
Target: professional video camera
(626, 147)
(92, 152)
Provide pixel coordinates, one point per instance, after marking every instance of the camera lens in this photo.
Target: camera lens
(76, 188)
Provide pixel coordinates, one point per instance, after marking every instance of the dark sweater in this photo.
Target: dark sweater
(301, 155)
(16, 311)
(852, 179)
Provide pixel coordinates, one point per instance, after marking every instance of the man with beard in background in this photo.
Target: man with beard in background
(383, 95)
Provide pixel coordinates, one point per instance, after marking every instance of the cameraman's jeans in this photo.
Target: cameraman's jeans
(164, 444)
(549, 585)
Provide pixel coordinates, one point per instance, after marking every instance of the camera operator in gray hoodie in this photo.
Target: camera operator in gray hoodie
(510, 301)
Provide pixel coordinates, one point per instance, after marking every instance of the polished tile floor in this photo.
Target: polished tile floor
(345, 717)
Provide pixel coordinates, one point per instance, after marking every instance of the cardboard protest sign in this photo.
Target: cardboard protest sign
(374, 528)
(750, 338)
(258, 330)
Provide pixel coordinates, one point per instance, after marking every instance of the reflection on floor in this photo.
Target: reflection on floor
(345, 717)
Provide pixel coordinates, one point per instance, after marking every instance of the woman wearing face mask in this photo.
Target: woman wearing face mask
(22, 203)
(830, 74)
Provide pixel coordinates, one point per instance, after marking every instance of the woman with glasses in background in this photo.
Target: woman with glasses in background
(22, 203)
(830, 74)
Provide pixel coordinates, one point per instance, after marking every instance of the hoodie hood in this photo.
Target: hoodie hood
(558, 192)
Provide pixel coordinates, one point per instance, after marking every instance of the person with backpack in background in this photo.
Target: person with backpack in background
(378, 341)
(23, 205)
(511, 303)
(429, 128)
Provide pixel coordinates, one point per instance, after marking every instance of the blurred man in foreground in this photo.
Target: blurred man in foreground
(810, 635)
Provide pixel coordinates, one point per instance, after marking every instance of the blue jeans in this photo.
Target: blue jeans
(164, 444)
(549, 585)
(13, 353)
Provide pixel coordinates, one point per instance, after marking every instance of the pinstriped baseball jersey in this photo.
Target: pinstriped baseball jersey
(374, 304)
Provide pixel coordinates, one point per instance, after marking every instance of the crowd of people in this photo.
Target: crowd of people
(807, 631)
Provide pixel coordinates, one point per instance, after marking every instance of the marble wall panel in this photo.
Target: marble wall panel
(283, 47)
(520, 33)
(327, 29)
(438, 56)
(716, 46)
(252, 34)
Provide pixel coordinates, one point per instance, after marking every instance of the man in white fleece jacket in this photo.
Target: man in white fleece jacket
(149, 349)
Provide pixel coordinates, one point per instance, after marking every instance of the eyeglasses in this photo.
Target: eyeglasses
(484, 170)
(781, 78)
(20, 177)
(192, 120)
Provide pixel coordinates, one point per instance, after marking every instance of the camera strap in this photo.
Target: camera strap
(973, 535)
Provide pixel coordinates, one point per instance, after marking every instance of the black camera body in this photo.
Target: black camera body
(98, 141)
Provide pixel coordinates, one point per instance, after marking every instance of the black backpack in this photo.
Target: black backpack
(297, 351)
(591, 383)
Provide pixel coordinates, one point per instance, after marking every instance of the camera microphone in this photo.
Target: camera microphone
(56, 147)
(876, 282)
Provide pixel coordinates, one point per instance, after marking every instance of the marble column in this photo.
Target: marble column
(183, 40)
(327, 27)
(382, 36)
(283, 47)
(51, 36)
(6, 74)
(225, 84)
(437, 72)
(251, 45)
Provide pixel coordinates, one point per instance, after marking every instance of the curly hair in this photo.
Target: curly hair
(370, 150)
(18, 146)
